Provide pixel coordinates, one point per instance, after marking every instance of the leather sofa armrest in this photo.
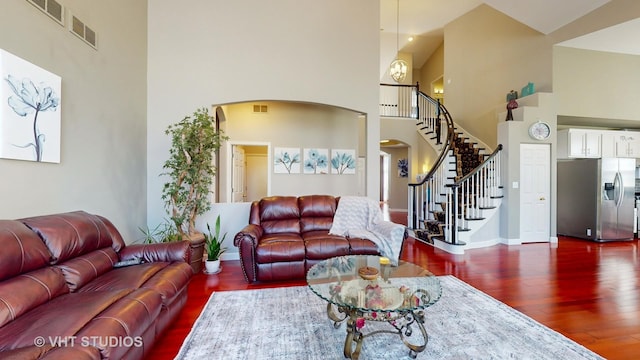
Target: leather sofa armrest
(250, 232)
(247, 240)
(168, 252)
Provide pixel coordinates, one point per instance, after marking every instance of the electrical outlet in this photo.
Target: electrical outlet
(588, 232)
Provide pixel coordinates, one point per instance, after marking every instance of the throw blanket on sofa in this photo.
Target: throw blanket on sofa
(358, 216)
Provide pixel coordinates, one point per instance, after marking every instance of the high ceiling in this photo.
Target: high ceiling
(425, 20)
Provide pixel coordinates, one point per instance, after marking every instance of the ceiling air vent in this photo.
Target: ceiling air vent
(260, 108)
(54, 9)
(84, 32)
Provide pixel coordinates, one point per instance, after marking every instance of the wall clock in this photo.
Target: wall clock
(540, 130)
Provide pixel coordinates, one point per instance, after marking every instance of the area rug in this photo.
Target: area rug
(291, 323)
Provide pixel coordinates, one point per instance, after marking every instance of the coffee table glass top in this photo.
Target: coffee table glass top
(405, 287)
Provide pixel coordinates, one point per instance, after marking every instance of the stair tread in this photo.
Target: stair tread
(474, 218)
(441, 238)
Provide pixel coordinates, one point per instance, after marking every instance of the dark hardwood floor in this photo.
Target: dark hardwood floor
(588, 291)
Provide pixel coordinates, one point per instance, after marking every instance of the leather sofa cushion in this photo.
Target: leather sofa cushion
(315, 224)
(22, 250)
(116, 238)
(76, 352)
(30, 352)
(316, 212)
(170, 281)
(129, 277)
(317, 206)
(62, 316)
(363, 247)
(82, 269)
(69, 235)
(280, 247)
(279, 214)
(129, 317)
(22, 293)
(278, 271)
(321, 245)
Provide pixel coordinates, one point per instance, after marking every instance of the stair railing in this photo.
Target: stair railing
(469, 195)
(399, 100)
(425, 195)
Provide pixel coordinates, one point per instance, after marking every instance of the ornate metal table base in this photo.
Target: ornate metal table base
(401, 321)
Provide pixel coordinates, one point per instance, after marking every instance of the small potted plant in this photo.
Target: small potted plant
(214, 248)
(194, 141)
(164, 232)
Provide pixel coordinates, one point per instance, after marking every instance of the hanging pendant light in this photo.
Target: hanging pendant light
(398, 68)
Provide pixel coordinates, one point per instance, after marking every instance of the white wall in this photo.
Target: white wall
(398, 194)
(295, 125)
(219, 52)
(596, 84)
(103, 109)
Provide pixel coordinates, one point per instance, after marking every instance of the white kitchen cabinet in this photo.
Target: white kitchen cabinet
(609, 147)
(579, 143)
(627, 145)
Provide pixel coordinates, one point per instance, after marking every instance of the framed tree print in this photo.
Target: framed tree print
(343, 161)
(286, 160)
(316, 161)
(29, 111)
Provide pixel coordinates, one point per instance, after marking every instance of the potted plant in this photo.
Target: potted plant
(165, 232)
(190, 169)
(214, 248)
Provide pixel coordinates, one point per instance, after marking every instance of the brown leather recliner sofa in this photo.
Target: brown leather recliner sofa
(286, 235)
(62, 298)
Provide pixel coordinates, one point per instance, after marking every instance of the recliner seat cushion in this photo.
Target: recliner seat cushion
(321, 245)
(280, 247)
(129, 277)
(22, 293)
(170, 281)
(127, 319)
(63, 316)
(81, 270)
(361, 246)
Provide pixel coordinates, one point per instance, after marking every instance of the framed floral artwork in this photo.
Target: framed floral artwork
(316, 161)
(29, 111)
(343, 161)
(286, 160)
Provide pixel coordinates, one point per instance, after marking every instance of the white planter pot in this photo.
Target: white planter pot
(212, 267)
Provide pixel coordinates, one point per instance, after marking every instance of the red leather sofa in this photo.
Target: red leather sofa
(62, 298)
(286, 235)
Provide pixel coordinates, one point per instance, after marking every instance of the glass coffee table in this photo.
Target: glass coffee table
(361, 288)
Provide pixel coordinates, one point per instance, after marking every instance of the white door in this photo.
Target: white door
(535, 192)
(238, 187)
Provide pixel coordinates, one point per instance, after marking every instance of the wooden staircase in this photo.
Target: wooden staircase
(456, 201)
(461, 192)
(466, 157)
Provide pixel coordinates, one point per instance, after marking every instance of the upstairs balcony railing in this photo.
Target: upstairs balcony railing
(399, 100)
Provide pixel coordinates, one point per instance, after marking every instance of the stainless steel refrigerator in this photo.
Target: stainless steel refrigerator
(596, 198)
